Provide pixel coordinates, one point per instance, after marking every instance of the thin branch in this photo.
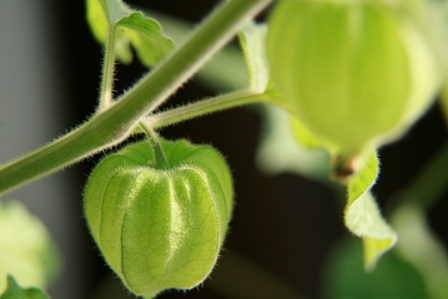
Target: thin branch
(204, 107)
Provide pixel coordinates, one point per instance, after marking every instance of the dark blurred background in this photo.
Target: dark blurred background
(284, 226)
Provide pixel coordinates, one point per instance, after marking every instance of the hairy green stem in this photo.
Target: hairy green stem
(159, 156)
(204, 107)
(112, 125)
(107, 79)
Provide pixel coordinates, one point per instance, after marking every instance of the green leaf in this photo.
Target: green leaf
(131, 28)
(146, 36)
(160, 226)
(104, 13)
(14, 291)
(363, 218)
(364, 179)
(394, 278)
(253, 40)
(26, 250)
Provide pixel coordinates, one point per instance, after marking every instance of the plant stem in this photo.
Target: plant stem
(203, 107)
(107, 79)
(158, 152)
(112, 125)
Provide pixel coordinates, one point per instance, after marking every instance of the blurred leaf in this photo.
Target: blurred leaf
(418, 244)
(14, 291)
(280, 152)
(26, 250)
(131, 28)
(420, 247)
(253, 40)
(363, 218)
(392, 279)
